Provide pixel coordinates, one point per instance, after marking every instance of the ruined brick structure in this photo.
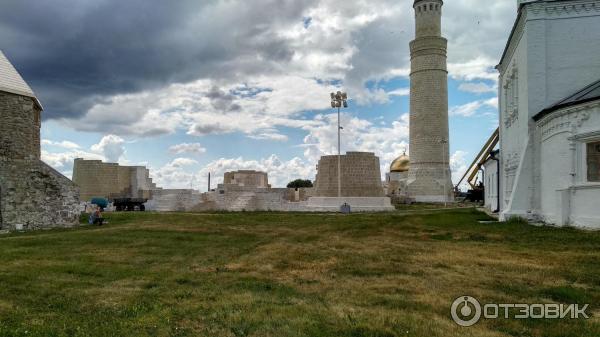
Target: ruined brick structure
(32, 194)
(247, 178)
(429, 178)
(109, 180)
(361, 176)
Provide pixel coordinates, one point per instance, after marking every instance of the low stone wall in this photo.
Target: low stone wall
(238, 199)
(35, 196)
(357, 204)
(245, 199)
(173, 200)
(235, 198)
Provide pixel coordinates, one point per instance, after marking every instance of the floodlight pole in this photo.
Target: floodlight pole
(339, 100)
(339, 155)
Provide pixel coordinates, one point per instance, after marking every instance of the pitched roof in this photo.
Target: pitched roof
(12, 82)
(587, 94)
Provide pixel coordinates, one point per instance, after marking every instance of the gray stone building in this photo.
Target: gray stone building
(429, 178)
(32, 194)
(361, 176)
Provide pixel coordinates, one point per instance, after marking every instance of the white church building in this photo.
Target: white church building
(549, 101)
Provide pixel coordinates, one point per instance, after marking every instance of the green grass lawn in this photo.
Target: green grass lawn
(273, 274)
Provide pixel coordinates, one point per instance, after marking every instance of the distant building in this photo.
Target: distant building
(395, 185)
(250, 191)
(361, 185)
(32, 194)
(107, 180)
(361, 176)
(247, 178)
(549, 97)
(490, 181)
(241, 190)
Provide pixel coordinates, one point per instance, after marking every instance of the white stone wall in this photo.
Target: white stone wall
(491, 185)
(548, 58)
(234, 198)
(173, 200)
(514, 121)
(566, 196)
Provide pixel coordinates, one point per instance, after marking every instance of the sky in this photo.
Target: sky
(190, 87)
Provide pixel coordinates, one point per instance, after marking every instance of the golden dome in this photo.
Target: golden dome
(400, 164)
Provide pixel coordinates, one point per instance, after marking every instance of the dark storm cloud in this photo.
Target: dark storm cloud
(77, 53)
(222, 101)
(208, 129)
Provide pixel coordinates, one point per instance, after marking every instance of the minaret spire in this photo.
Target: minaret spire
(429, 177)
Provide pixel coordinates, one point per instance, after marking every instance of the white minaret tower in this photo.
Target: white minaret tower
(429, 177)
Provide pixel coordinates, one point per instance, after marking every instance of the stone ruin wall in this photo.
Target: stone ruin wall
(141, 183)
(247, 178)
(173, 200)
(230, 198)
(237, 198)
(108, 180)
(32, 194)
(36, 196)
(361, 176)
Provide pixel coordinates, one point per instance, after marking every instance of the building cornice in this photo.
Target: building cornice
(513, 40)
(418, 1)
(586, 136)
(567, 119)
(544, 9)
(569, 110)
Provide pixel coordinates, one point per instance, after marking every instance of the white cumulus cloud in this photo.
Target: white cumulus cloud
(472, 108)
(477, 87)
(111, 147)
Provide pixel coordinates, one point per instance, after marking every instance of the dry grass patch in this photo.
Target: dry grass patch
(273, 274)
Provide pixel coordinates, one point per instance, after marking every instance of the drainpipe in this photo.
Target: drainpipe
(492, 157)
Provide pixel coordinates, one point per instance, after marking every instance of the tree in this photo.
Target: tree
(300, 183)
